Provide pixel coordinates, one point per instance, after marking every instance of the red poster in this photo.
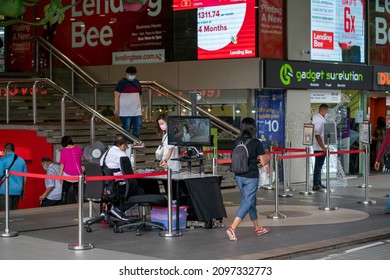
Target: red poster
(227, 31)
(379, 32)
(271, 29)
(100, 32)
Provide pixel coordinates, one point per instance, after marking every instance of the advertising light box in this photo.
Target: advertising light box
(337, 31)
(225, 29)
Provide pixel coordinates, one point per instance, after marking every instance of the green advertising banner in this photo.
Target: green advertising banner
(306, 75)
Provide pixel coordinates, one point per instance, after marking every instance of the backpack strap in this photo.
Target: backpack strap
(104, 164)
(248, 140)
(9, 167)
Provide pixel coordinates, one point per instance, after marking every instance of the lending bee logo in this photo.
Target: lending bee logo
(286, 73)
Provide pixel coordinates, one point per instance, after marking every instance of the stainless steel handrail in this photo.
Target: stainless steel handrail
(66, 95)
(151, 84)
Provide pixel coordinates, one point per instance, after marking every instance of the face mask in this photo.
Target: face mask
(326, 115)
(131, 78)
(163, 127)
(45, 168)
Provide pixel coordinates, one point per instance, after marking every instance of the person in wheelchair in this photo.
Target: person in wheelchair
(117, 192)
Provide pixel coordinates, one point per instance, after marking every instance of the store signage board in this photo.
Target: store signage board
(328, 97)
(305, 75)
(381, 78)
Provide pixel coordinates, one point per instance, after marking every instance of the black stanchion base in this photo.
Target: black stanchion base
(364, 186)
(80, 247)
(387, 195)
(9, 233)
(269, 188)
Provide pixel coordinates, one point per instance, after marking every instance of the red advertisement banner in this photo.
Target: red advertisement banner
(99, 32)
(271, 28)
(227, 31)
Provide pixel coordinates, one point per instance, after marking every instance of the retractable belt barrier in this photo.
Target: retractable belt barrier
(277, 154)
(81, 179)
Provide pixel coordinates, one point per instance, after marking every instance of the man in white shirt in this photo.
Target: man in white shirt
(53, 193)
(111, 159)
(318, 145)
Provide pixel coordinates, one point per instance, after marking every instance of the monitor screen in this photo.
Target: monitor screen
(189, 131)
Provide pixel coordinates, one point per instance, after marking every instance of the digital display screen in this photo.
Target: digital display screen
(338, 31)
(225, 29)
(189, 131)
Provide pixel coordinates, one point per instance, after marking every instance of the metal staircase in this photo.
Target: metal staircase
(56, 109)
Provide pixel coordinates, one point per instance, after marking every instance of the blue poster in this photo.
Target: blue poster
(270, 119)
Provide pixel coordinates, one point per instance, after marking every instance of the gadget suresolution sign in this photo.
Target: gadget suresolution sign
(337, 30)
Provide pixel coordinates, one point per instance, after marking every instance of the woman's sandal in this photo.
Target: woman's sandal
(262, 230)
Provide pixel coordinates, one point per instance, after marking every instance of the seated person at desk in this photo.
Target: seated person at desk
(186, 135)
(111, 159)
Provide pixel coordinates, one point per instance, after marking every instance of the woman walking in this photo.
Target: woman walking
(248, 182)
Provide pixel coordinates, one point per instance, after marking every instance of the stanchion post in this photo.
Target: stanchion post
(285, 180)
(366, 200)
(169, 232)
(328, 207)
(271, 171)
(307, 190)
(81, 245)
(277, 214)
(7, 232)
(289, 188)
(215, 157)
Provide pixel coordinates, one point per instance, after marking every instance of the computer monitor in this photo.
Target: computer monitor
(189, 131)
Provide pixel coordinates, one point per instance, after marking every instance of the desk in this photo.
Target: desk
(204, 192)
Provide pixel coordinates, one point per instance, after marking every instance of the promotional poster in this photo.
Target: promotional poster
(337, 31)
(270, 117)
(224, 29)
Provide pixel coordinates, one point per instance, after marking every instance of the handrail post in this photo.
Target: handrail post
(95, 92)
(34, 98)
(7, 232)
(92, 128)
(7, 102)
(36, 61)
(51, 65)
(80, 245)
(150, 104)
(63, 116)
(72, 81)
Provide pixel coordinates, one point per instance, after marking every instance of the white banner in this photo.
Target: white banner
(138, 57)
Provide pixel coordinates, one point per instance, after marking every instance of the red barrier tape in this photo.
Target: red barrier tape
(224, 161)
(208, 152)
(274, 153)
(302, 156)
(294, 150)
(224, 151)
(89, 178)
(348, 152)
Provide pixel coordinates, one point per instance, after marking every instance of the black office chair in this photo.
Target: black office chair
(144, 201)
(94, 191)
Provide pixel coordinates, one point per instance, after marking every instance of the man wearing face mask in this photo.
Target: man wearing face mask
(319, 120)
(128, 102)
(53, 193)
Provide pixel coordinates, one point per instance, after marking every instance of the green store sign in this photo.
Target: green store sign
(306, 75)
